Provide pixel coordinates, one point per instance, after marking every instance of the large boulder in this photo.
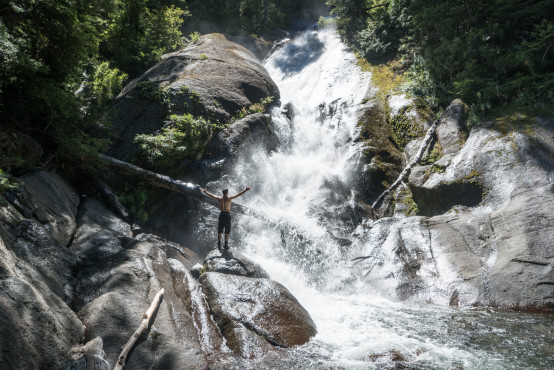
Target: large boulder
(36, 327)
(263, 306)
(244, 134)
(118, 276)
(51, 202)
(452, 129)
(214, 78)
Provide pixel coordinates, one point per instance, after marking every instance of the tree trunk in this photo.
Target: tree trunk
(176, 186)
(266, 11)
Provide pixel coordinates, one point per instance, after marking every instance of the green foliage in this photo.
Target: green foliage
(434, 155)
(419, 83)
(194, 37)
(203, 57)
(151, 91)
(141, 32)
(374, 27)
(324, 22)
(489, 53)
(77, 151)
(106, 84)
(5, 184)
(191, 103)
(135, 198)
(184, 136)
(243, 16)
(260, 107)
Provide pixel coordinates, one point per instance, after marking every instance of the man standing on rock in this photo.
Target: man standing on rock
(225, 215)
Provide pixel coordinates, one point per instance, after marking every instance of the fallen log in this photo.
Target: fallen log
(174, 185)
(408, 169)
(141, 329)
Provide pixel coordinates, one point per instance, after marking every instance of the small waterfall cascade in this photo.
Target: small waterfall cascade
(306, 185)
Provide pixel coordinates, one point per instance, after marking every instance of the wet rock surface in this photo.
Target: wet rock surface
(233, 263)
(254, 129)
(117, 279)
(381, 162)
(89, 356)
(263, 306)
(37, 327)
(452, 131)
(489, 240)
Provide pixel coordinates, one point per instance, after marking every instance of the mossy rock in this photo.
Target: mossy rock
(405, 127)
(405, 203)
(382, 161)
(212, 79)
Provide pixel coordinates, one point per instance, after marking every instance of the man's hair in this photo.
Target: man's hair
(225, 191)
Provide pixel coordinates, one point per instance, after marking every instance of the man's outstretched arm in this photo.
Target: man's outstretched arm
(205, 191)
(242, 192)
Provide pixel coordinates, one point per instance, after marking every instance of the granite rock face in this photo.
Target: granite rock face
(213, 78)
(37, 326)
(263, 306)
(487, 238)
(250, 131)
(118, 276)
(233, 263)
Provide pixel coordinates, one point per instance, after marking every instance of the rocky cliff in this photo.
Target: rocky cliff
(71, 271)
(472, 225)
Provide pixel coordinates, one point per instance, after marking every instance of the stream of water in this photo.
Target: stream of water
(306, 185)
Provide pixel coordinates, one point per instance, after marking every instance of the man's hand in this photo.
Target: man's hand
(203, 190)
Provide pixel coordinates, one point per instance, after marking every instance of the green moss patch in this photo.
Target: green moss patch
(434, 154)
(404, 127)
(405, 202)
(383, 77)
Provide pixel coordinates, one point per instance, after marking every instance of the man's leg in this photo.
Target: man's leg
(227, 230)
(227, 241)
(220, 227)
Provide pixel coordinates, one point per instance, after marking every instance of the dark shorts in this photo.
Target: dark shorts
(224, 223)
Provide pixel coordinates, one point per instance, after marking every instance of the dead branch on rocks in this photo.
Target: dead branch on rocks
(408, 169)
(108, 192)
(141, 329)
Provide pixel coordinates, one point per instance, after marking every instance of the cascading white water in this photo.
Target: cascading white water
(305, 185)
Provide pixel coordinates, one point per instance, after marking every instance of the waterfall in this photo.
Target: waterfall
(306, 186)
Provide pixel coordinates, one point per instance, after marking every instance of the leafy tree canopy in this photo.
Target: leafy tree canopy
(489, 53)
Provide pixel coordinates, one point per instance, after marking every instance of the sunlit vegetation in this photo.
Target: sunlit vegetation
(495, 55)
(63, 62)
